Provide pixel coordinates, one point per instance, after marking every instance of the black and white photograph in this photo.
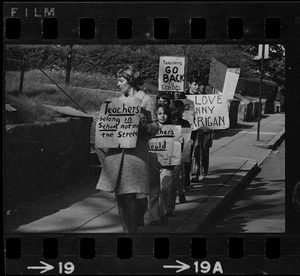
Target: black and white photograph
(145, 138)
(151, 137)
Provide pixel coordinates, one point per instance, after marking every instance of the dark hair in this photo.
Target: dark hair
(164, 96)
(178, 103)
(167, 109)
(181, 95)
(132, 75)
(194, 78)
(175, 114)
(203, 82)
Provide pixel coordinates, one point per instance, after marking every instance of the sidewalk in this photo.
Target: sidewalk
(234, 157)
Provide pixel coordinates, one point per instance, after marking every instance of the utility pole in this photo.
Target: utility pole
(185, 68)
(69, 61)
(260, 89)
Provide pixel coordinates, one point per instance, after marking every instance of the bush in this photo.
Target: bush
(92, 59)
(251, 87)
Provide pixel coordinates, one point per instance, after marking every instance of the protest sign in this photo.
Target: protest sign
(118, 123)
(186, 151)
(210, 111)
(222, 79)
(171, 74)
(166, 144)
(231, 80)
(217, 74)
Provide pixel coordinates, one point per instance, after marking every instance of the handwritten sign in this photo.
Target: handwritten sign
(186, 151)
(217, 74)
(171, 74)
(166, 144)
(118, 123)
(210, 111)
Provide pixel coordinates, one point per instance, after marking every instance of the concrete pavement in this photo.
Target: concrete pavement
(234, 158)
(260, 207)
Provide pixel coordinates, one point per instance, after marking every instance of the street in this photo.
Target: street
(260, 207)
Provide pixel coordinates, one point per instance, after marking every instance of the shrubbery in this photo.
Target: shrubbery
(104, 59)
(251, 86)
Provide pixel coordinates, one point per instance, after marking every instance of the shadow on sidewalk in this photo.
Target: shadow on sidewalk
(218, 134)
(27, 212)
(241, 126)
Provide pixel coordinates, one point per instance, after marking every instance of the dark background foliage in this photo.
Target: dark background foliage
(107, 59)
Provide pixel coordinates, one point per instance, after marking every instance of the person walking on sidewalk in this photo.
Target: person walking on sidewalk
(179, 172)
(200, 162)
(126, 171)
(193, 82)
(160, 189)
(163, 97)
(201, 138)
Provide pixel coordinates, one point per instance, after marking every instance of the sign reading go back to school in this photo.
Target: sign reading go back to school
(166, 144)
(171, 74)
(211, 111)
(118, 122)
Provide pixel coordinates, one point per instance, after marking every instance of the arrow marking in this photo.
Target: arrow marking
(181, 267)
(45, 268)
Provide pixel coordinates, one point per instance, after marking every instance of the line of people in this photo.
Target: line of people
(134, 174)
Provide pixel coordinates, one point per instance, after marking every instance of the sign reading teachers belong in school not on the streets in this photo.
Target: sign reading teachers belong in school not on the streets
(171, 74)
(118, 123)
(211, 111)
(166, 144)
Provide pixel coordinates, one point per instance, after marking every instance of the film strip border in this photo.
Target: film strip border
(143, 254)
(154, 22)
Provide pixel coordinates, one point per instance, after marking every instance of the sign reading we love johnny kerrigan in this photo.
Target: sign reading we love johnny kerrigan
(166, 144)
(210, 111)
(118, 122)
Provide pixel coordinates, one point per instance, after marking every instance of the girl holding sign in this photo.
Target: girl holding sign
(179, 173)
(126, 171)
(160, 189)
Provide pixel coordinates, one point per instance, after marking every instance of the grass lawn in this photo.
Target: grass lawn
(88, 91)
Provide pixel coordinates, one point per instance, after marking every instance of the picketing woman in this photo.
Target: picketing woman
(126, 171)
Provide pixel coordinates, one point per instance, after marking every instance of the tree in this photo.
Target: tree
(274, 66)
(233, 56)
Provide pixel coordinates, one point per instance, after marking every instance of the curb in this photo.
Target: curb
(277, 140)
(274, 142)
(203, 215)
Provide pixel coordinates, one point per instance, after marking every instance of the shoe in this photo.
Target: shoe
(182, 198)
(154, 223)
(170, 214)
(164, 220)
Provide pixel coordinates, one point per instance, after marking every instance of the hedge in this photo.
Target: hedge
(104, 59)
(251, 87)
